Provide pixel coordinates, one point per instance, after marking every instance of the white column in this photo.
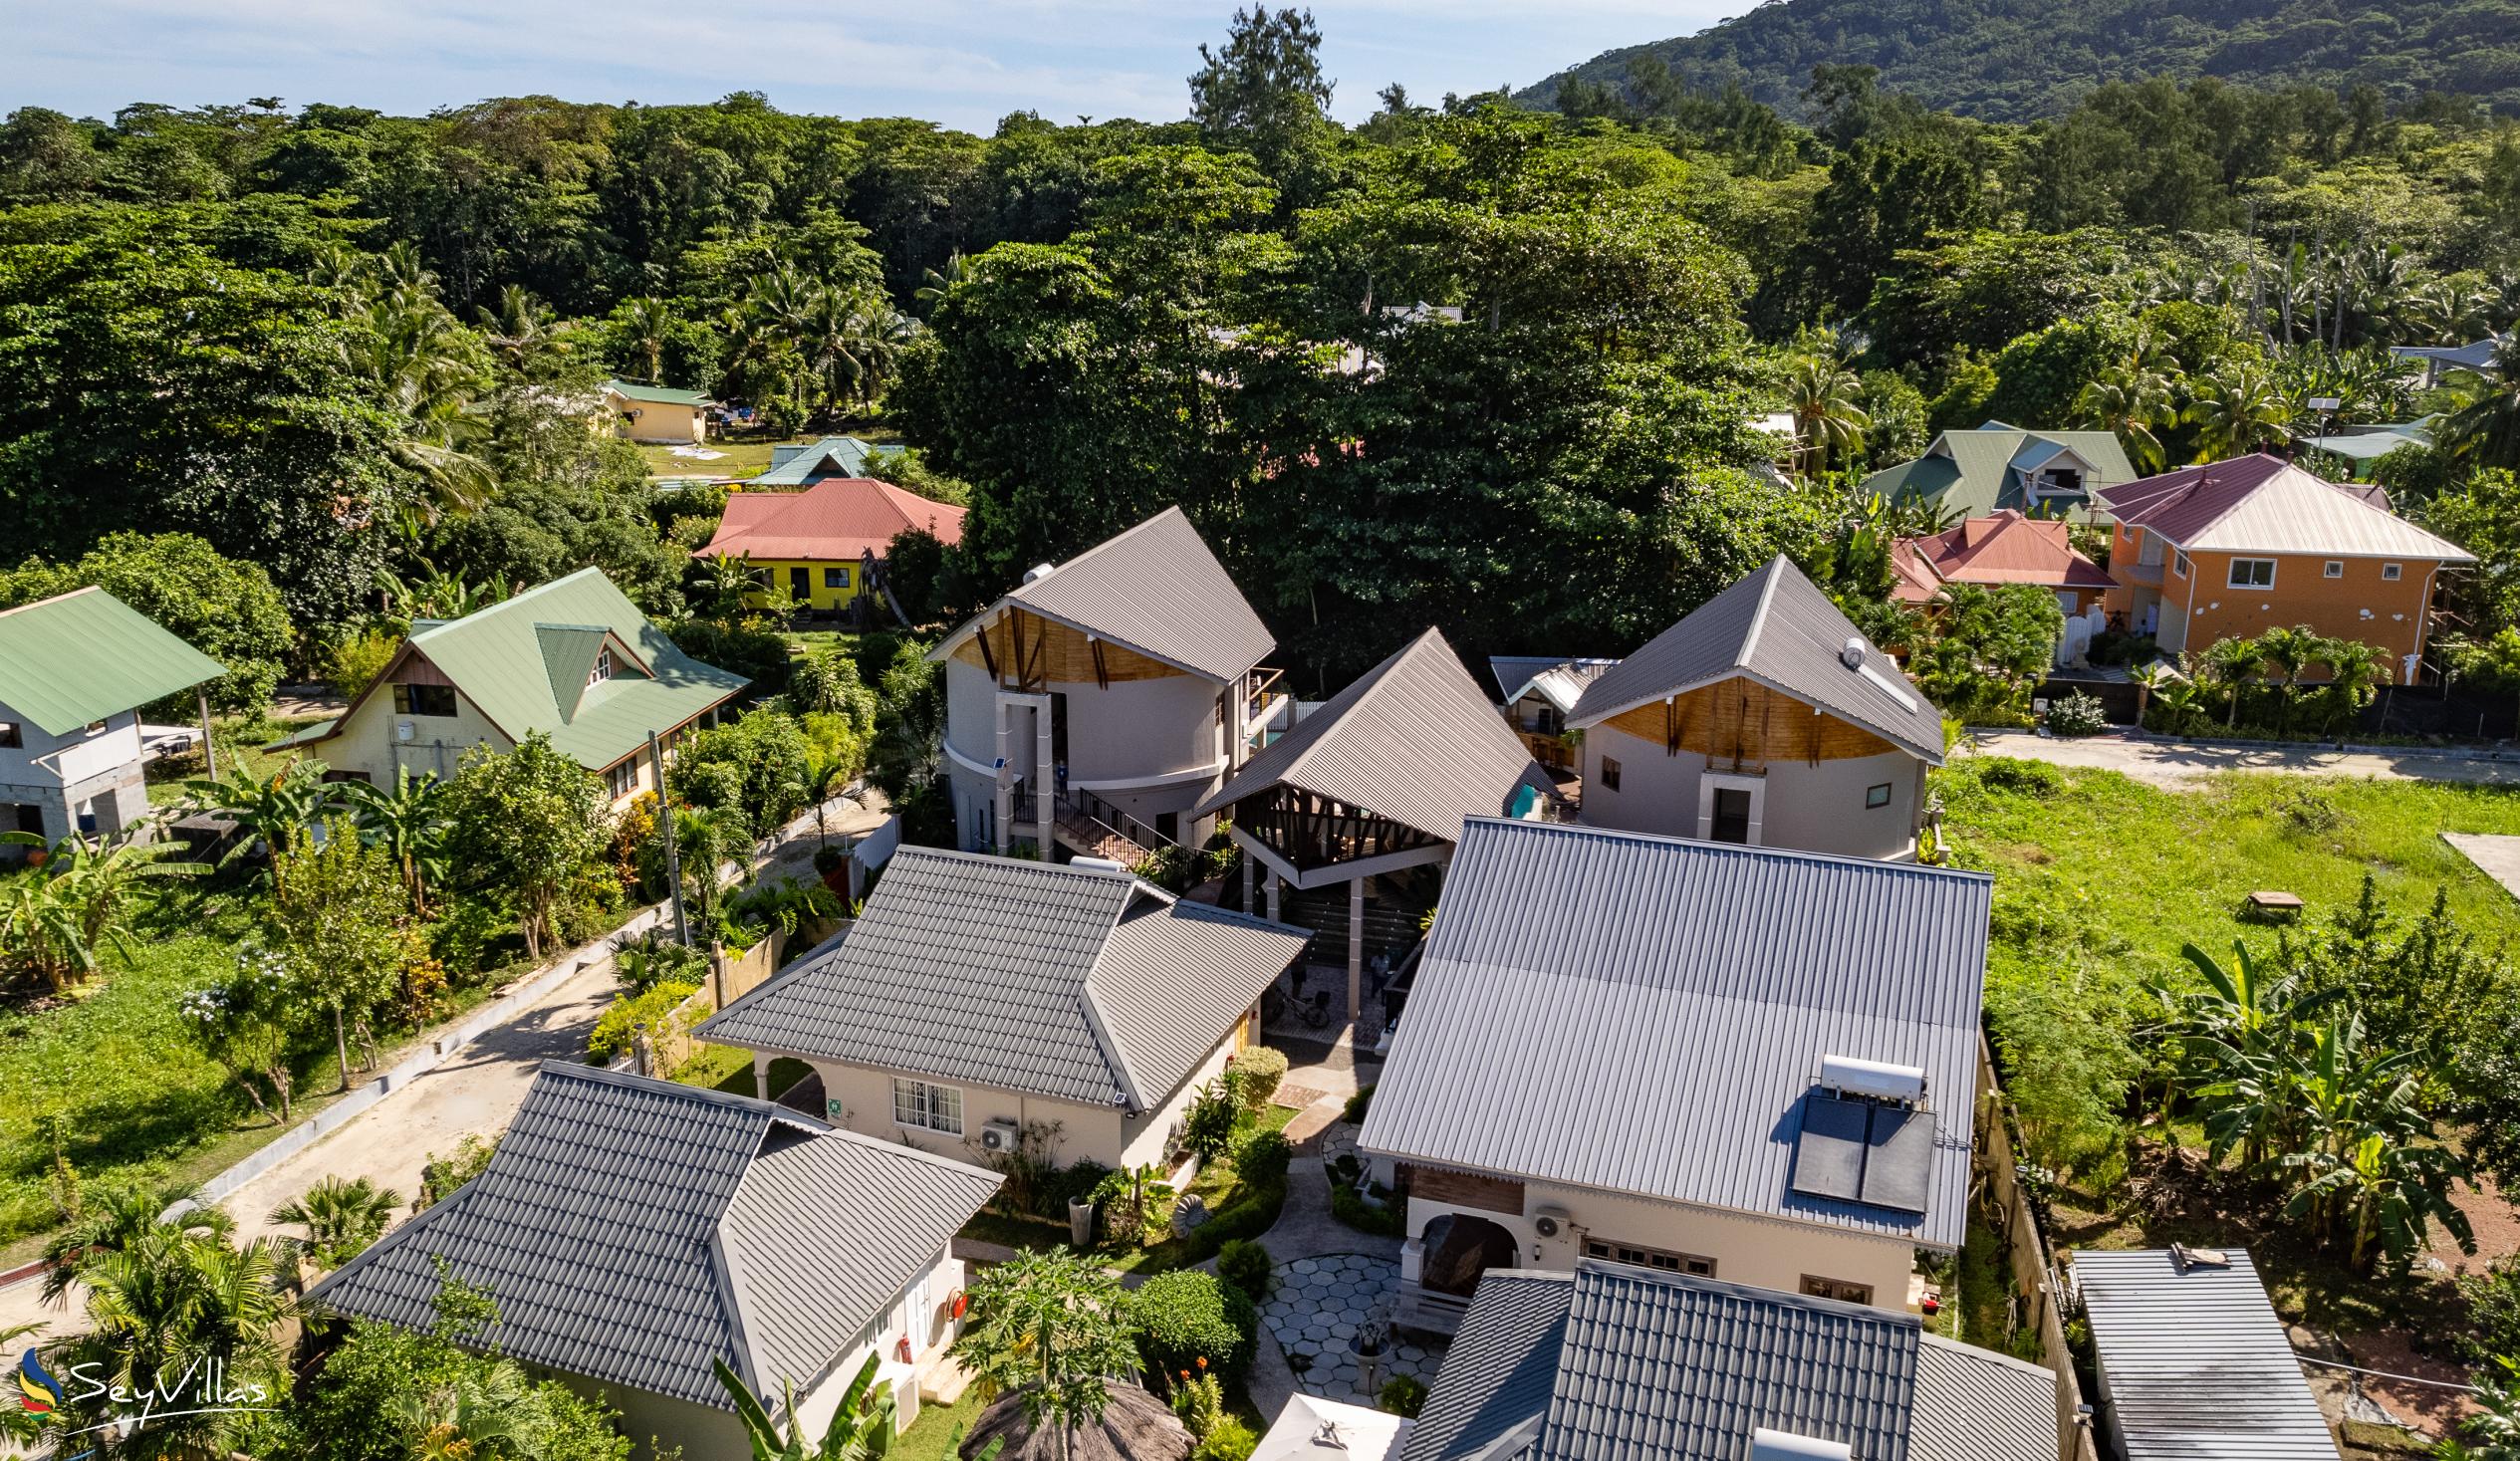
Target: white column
(1356, 947)
(761, 1076)
(1045, 774)
(1001, 796)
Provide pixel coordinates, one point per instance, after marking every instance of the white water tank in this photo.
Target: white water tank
(1778, 1445)
(1878, 1080)
(1038, 570)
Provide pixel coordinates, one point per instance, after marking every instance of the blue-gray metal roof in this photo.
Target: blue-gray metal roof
(1701, 982)
(2194, 1362)
(1617, 1363)
(632, 1230)
(1068, 982)
(1777, 628)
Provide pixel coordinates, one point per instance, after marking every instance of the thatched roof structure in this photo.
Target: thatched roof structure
(1135, 1426)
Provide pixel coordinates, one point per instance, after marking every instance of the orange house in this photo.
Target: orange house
(2230, 550)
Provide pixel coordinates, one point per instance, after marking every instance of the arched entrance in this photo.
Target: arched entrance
(1459, 1248)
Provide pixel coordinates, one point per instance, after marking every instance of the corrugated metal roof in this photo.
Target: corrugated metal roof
(1516, 674)
(2194, 1362)
(632, 1230)
(2476, 355)
(2004, 547)
(1777, 628)
(80, 656)
(1156, 589)
(508, 660)
(1068, 982)
(1611, 1364)
(1574, 958)
(1973, 472)
(660, 394)
(1411, 739)
(837, 519)
(833, 456)
(2260, 504)
(1973, 1404)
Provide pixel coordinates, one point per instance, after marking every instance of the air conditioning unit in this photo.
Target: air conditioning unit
(1000, 1137)
(402, 730)
(1549, 1222)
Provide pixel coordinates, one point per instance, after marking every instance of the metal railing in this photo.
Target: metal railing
(1121, 825)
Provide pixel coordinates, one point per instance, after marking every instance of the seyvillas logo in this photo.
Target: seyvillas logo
(38, 1393)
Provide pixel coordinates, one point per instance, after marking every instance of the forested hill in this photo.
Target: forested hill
(2017, 59)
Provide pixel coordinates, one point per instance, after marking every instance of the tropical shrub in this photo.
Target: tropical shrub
(1262, 1069)
(2077, 714)
(1403, 1394)
(1228, 1440)
(1246, 1266)
(1264, 1156)
(617, 1029)
(1188, 1321)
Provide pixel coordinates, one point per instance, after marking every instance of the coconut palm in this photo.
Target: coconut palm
(342, 1218)
(1821, 393)
(2132, 398)
(646, 323)
(117, 1215)
(520, 327)
(935, 284)
(2486, 429)
(2237, 409)
(277, 812)
(482, 1410)
(173, 1304)
(859, 1430)
(705, 839)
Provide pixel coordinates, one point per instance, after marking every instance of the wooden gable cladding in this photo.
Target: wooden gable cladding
(1741, 720)
(1024, 651)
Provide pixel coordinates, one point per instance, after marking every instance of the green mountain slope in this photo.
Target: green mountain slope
(2015, 60)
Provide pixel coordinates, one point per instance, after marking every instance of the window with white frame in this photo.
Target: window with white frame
(1838, 1289)
(603, 667)
(2392, 572)
(623, 779)
(2252, 572)
(1655, 1258)
(2335, 569)
(929, 1107)
(2178, 564)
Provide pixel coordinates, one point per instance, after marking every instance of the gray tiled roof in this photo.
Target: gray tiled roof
(1619, 1363)
(1155, 589)
(1777, 628)
(2193, 1360)
(632, 1230)
(1068, 982)
(1574, 958)
(1411, 739)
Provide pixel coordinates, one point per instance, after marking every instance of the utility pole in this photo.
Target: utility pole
(673, 857)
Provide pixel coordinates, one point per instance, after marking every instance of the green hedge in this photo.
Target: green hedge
(1185, 1316)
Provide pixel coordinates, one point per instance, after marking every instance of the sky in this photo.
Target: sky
(963, 63)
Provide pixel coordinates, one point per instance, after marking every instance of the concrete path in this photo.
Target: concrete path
(475, 1091)
(2179, 766)
(2498, 857)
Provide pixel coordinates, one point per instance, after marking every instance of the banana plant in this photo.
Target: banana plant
(860, 1429)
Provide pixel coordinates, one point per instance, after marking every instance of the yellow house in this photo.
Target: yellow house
(818, 544)
(656, 413)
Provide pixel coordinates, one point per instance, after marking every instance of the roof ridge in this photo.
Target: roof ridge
(606, 1075)
(68, 595)
(513, 599)
(1375, 681)
(1122, 536)
(1759, 616)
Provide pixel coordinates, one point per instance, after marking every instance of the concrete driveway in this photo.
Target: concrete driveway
(2179, 766)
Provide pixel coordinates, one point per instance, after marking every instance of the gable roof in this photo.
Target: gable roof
(1410, 739)
(1777, 628)
(1974, 472)
(1578, 958)
(1068, 982)
(2476, 355)
(2261, 504)
(631, 1230)
(837, 519)
(1610, 1361)
(524, 662)
(78, 658)
(1559, 682)
(658, 395)
(2193, 1359)
(2004, 547)
(1155, 589)
(833, 456)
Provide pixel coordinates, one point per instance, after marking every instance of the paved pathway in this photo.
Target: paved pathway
(1318, 1304)
(2498, 857)
(2179, 766)
(475, 1091)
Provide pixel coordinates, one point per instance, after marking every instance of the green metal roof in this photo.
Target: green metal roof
(1967, 472)
(525, 663)
(68, 662)
(663, 396)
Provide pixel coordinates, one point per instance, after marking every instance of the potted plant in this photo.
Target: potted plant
(1081, 1223)
(1371, 1342)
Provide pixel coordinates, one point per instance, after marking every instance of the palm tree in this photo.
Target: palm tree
(2132, 398)
(342, 1218)
(2150, 678)
(935, 284)
(647, 324)
(2231, 664)
(705, 839)
(2487, 429)
(2237, 410)
(859, 1430)
(27, 1428)
(2290, 652)
(409, 821)
(482, 1410)
(825, 776)
(277, 813)
(170, 1304)
(1821, 393)
(520, 328)
(59, 918)
(116, 1216)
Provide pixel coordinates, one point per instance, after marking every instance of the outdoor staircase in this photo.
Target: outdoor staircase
(1088, 837)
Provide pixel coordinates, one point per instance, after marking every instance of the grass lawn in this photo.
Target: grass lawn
(240, 742)
(2100, 879)
(724, 1068)
(933, 1436)
(743, 459)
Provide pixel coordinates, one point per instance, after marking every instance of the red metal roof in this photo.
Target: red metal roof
(2004, 547)
(837, 519)
(2259, 504)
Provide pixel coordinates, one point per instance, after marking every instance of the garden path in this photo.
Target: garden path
(2179, 765)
